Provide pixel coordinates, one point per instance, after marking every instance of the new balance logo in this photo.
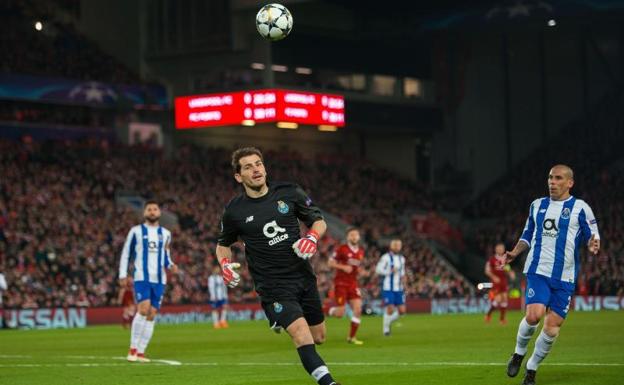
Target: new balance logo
(249, 219)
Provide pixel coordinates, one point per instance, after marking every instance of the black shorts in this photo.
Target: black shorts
(285, 302)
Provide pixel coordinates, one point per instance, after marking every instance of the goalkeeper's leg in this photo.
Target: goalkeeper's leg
(301, 335)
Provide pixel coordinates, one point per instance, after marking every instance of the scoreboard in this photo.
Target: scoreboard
(259, 106)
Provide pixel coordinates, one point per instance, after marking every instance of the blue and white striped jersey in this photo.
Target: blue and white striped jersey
(150, 248)
(392, 267)
(555, 232)
(217, 288)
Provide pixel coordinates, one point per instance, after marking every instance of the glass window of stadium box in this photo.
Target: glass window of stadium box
(352, 82)
(383, 85)
(412, 88)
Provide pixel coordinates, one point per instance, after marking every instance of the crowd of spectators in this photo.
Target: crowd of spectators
(58, 49)
(61, 231)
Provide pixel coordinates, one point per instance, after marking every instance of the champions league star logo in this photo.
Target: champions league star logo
(282, 207)
(93, 92)
(565, 214)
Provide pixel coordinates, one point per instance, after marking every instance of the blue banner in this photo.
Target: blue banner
(57, 90)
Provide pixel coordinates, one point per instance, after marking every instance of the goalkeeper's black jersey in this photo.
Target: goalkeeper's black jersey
(269, 226)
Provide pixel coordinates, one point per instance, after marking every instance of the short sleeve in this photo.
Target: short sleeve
(305, 209)
(228, 234)
(529, 227)
(588, 223)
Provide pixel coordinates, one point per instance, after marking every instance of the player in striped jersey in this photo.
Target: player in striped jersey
(555, 230)
(392, 267)
(149, 244)
(218, 298)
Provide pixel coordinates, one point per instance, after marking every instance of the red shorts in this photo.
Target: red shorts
(500, 288)
(128, 299)
(346, 293)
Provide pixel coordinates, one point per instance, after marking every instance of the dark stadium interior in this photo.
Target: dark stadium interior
(454, 115)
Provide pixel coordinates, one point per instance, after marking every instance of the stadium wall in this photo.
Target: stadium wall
(307, 140)
(393, 150)
(64, 318)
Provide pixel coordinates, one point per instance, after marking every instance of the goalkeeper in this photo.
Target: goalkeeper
(266, 217)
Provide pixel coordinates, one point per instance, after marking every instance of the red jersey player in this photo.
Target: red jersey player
(346, 260)
(126, 299)
(497, 270)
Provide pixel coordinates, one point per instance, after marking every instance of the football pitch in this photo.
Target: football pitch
(424, 349)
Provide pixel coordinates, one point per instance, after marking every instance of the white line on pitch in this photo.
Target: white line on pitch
(167, 362)
(177, 363)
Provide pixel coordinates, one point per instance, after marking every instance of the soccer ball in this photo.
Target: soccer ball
(274, 22)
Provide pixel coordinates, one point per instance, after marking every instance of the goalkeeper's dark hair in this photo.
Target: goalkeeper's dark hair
(150, 202)
(241, 153)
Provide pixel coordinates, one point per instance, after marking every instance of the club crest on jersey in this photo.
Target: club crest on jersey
(277, 307)
(282, 207)
(565, 214)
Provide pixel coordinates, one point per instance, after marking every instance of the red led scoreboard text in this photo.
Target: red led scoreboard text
(259, 106)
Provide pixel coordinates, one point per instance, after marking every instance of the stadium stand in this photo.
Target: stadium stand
(60, 245)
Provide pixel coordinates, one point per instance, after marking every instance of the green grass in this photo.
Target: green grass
(453, 349)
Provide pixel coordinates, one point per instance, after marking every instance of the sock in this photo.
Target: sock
(146, 336)
(331, 311)
(138, 323)
(525, 332)
(386, 322)
(355, 323)
(394, 316)
(314, 364)
(493, 307)
(223, 315)
(503, 310)
(215, 317)
(542, 348)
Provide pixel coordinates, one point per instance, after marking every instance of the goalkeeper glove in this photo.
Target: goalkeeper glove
(230, 276)
(306, 247)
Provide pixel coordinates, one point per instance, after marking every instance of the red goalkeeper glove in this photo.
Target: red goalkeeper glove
(306, 247)
(230, 276)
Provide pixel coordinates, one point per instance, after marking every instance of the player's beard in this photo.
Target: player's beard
(256, 188)
(152, 220)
